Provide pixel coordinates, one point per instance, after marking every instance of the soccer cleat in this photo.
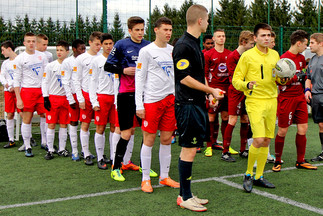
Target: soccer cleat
(152, 173)
(217, 146)
(10, 144)
(88, 161)
(244, 154)
(193, 205)
(75, 157)
(200, 201)
(130, 166)
(198, 150)
(64, 153)
(271, 159)
(49, 155)
(29, 153)
(102, 164)
(247, 183)
(208, 152)
(32, 142)
(277, 167)
(116, 175)
(44, 146)
(232, 151)
(146, 186)
(91, 155)
(227, 157)
(318, 158)
(21, 148)
(169, 182)
(106, 160)
(305, 165)
(261, 182)
(173, 139)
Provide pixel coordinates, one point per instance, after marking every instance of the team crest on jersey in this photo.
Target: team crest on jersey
(116, 76)
(97, 118)
(83, 116)
(15, 67)
(44, 75)
(40, 58)
(63, 73)
(49, 117)
(145, 123)
(74, 69)
(300, 64)
(90, 71)
(182, 64)
(139, 65)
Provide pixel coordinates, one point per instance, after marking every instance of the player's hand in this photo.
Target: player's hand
(308, 96)
(252, 84)
(47, 103)
(6, 85)
(301, 77)
(82, 105)
(96, 108)
(11, 89)
(217, 93)
(141, 113)
(73, 105)
(129, 71)
(20, 104)
(213, 102)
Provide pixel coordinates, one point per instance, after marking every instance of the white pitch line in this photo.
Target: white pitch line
(218, 179)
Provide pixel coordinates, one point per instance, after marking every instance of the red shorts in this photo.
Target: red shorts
(74, 114)
(236, 104)
(107, 110)
(223, 103)
(116, 120)
(87, 114)
(292, 110)
(58, 111)
(10, 102)
(160, 115)
(33, 100)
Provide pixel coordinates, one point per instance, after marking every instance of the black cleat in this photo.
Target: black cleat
(318, 158)
(88, 161)
(10, 144)
(261, 182)
(227, 157)
(49, 155)
(106, 160)
(247, 183)
(29, 153)
(33, 142)
(217, 146)
(64, 153)
(102, 165)
(244, 154)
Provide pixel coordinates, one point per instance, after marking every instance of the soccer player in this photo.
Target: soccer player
(208, 43)
(29, 68)
(6, 79)
(217, 75)
(314, 83)
(122, 61)
(292, 106)
(55, 102)
(68, 67)
(254, 75)
(236, 104)
(81, 80)
(155, 102)
(190, 107)
(102, 98)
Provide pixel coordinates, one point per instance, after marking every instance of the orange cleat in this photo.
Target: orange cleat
(130, 166)
(146, 186)
(168, 182)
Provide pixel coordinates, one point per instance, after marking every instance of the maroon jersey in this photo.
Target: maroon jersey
(293, 88)
(232, 62)
(216, 71)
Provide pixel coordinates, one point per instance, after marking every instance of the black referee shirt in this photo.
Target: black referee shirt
(188, 61)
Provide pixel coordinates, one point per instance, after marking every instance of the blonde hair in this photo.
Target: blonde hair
(194, 13)
(245, 36)
(318, 37)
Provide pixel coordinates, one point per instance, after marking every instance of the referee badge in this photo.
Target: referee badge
(182, 64)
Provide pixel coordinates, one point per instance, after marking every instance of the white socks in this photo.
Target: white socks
(26, 134)
(50, 139)
(62, 137)
(84, 137)
(99, 140)
(145, 156)
(11, 129)
(43, 128)
(73, 138)
(110, 143)
(115, 140)
(128, 154)
(165, 156)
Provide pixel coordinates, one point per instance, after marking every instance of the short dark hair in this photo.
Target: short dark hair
(7, 44)
(163, 20)
(298, 35)
(206, 37)
(64, 44)
(218, 30)
(106, 36)
(77, 42)
(29, 34)
(134, 20)
(261, 26)
(41, 36)
(95, 35)
(273, 34)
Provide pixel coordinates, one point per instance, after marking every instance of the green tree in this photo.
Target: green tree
(95, 25)
(72, 31)
(116, 31)
(306, 15)
(3, 29)
(282, 14)
(27, 26)
(258, 12)
(41, 25)
(33, 25)
(50, 30)
(231, 13)
(18, 29)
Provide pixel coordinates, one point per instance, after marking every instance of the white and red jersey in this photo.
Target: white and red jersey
(29, 69)
(7, 73)
(52, 80)
(293, 88)
(67, 68)
(154, 78)
(101, 81)
(81, 77)
(49, 56)
(216, 71)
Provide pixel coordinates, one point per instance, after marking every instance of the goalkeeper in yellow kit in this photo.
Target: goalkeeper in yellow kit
(254, 75)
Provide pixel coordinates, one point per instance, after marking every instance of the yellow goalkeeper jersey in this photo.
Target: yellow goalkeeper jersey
(255, 65)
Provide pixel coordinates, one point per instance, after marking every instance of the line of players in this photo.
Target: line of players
(79, 88)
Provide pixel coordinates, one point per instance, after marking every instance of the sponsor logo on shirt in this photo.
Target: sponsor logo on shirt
(90, 71)
(15, 67)
(116, 76)
(182, 64)
(139, 65)
(129, 51)
(74, 69)
(63, 73)
(44, 75)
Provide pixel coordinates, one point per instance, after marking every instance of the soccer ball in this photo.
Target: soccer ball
(285, 68)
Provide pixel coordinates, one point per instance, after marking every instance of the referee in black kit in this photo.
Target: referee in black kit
(190, 109)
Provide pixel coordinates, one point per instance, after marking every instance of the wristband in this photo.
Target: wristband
(307, 89)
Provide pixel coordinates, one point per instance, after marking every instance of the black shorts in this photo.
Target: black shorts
(317, 108)
(192, 125)
(126, 110)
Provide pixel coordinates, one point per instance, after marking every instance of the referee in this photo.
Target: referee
(190, 111)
